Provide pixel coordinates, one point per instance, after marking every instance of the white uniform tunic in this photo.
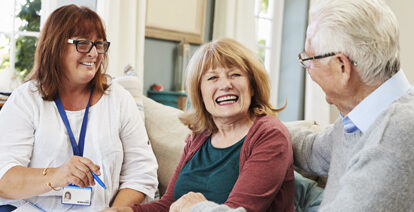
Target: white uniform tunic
(32, 134)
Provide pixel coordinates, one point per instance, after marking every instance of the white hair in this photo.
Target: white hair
(366, 31)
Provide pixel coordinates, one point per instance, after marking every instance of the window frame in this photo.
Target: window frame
(273, 48)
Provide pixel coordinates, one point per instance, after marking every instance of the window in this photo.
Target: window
(269, 21)
(19, 30)
(264, 18)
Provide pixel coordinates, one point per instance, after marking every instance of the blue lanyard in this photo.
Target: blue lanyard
(77, 150)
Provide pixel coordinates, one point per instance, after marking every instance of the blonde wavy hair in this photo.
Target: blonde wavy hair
(225, 53)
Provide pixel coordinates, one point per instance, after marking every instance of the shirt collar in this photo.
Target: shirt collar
(367, 111)
(349, 126)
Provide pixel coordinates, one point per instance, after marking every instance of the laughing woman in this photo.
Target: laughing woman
(68, 125)
(239, 153)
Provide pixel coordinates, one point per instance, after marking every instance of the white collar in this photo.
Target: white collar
(367, 111)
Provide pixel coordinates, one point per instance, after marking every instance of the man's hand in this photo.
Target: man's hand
(186, 202)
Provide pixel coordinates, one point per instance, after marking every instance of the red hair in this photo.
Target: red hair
(64, 23)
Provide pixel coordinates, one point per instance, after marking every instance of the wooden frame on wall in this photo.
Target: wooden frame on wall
(177, 20)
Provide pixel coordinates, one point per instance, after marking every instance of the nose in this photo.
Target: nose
(93, 52)
(225, 83)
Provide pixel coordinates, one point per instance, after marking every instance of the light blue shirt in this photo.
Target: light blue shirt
(366, 112)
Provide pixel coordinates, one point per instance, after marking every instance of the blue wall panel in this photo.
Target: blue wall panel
(292, 75)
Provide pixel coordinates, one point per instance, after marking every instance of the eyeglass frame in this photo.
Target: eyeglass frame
(301, 60)
(95, 43)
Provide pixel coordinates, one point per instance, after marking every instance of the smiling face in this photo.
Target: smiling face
(226, 93)
(80, 68)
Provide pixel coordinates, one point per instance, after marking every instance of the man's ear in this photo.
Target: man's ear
(346, 67)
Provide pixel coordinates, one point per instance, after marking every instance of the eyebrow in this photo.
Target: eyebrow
(210, 71)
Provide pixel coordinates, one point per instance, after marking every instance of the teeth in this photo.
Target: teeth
(226, 98)
(87, 63)
(227, 102)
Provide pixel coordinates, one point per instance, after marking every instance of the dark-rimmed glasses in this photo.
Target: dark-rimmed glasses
(304, 59)
(85, 46)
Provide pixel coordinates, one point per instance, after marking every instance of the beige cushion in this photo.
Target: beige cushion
(167, 135)
(165, 131)
(132, 84)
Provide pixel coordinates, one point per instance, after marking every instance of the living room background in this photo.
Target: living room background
(304, 99)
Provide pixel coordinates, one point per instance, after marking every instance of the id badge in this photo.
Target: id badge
(75, 195)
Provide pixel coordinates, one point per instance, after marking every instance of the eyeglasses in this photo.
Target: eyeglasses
(85, 46)
(304, 59)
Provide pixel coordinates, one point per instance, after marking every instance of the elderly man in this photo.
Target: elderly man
(352, 52)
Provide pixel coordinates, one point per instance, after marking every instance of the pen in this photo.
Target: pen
(98, 180)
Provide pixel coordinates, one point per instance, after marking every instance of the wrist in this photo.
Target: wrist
(48, 173)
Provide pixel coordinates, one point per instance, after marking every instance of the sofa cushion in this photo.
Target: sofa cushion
(303, 124)
(167, 136)
(132, 84)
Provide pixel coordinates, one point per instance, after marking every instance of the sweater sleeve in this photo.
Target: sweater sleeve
(312, 150)
(267, 166)
(168, 198)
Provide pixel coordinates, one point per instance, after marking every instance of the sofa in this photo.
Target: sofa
(167, 135)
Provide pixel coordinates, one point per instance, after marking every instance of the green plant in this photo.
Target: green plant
(26, 46)
(4, 56)
(261, 50)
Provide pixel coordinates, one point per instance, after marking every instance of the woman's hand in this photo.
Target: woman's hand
(77, 170)
(187, 201)
(118, 209)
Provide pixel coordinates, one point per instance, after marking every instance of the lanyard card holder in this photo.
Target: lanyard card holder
(75, 195)
(72, 194)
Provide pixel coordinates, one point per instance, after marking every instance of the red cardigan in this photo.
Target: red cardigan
(266, 180)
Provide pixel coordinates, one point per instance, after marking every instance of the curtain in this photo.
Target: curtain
(235, 19)
(125, 27)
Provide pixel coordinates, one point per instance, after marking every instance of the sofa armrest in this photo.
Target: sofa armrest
(304, 124)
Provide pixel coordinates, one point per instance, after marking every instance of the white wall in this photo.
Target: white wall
(404, 10)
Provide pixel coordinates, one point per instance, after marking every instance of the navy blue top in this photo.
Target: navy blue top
(211, 171)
